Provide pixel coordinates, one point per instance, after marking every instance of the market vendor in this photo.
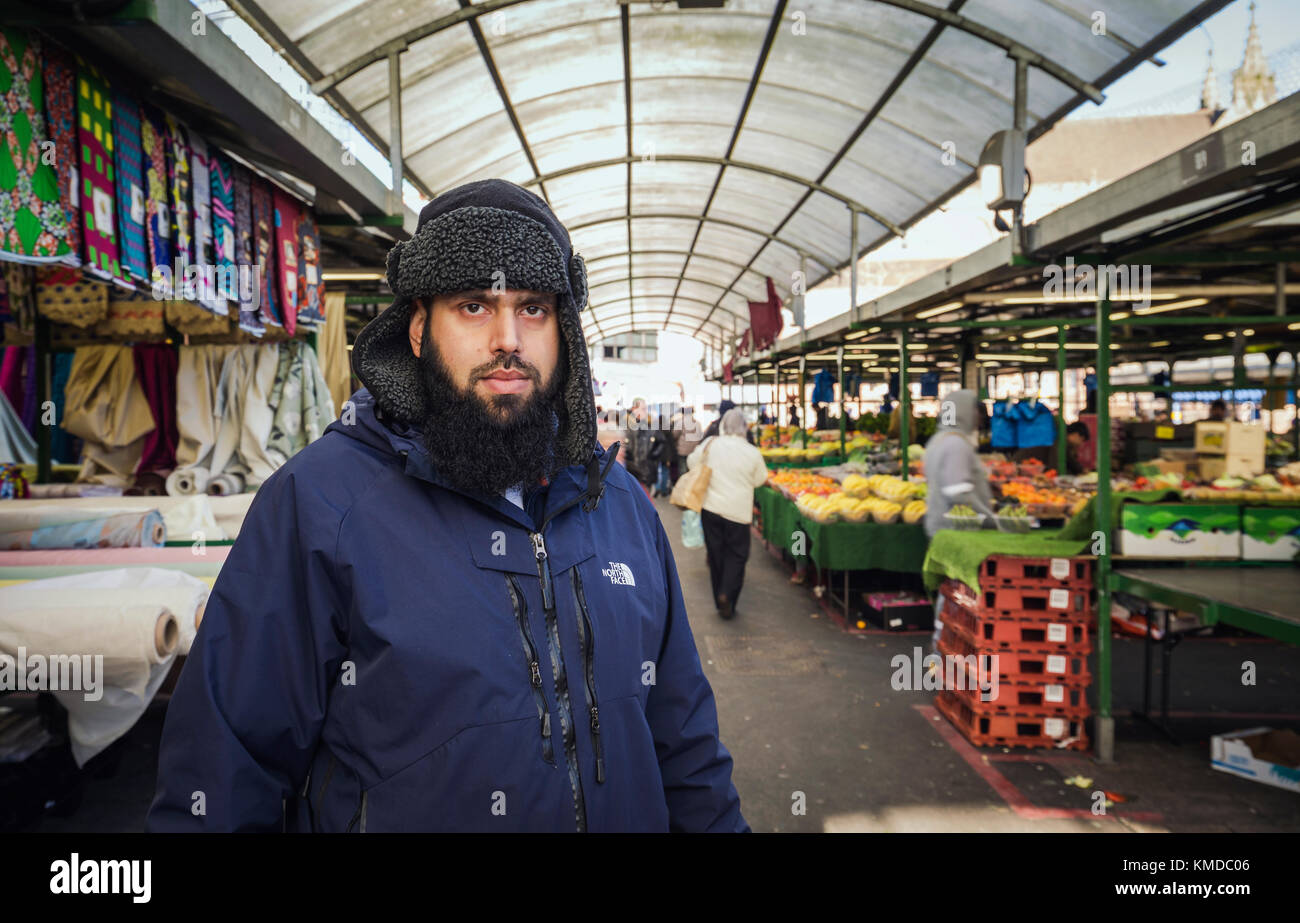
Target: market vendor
(1076, 437)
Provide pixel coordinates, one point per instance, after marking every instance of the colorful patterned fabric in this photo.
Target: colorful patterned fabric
(287, 213)
(65, 297)
(33, 224)
(203, 257)
(98, 190)
(311, 291)
(128, 158)
(60, 77)
(158, 227)
(250, 292)
(178, 177)
(223, 216)
(264, 250)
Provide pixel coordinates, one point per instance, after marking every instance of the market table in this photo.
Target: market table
(843, 546)
(957, 555)
(1262, 600)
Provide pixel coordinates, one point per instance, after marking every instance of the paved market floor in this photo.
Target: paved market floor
(806, 708)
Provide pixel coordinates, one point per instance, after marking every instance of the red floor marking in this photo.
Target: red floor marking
(1014, 798)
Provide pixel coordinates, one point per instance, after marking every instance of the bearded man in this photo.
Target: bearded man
(453, 611)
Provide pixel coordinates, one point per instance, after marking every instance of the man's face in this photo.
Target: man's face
(1074, 439)
(503, 348)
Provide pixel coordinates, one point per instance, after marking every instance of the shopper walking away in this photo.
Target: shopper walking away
(661, 451)
(737, 468)
(954, 473)
(640, 441)
(714, 428)
(437, 615)
(688, 434)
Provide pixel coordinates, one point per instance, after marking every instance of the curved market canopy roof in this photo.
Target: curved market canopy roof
(692, 152)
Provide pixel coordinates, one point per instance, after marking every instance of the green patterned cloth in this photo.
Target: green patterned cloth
(958, 555)
(842, 545)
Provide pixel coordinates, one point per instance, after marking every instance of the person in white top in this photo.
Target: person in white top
(737, 468)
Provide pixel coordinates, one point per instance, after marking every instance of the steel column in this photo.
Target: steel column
(1060, 391)
(395, 130)
(904, 401)
(1105, 721)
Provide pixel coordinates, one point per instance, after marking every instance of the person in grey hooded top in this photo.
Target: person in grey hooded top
(953, 471)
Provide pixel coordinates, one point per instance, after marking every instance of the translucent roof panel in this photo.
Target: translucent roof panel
(732, 144)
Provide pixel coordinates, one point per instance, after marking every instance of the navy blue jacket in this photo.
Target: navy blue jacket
(382, 652)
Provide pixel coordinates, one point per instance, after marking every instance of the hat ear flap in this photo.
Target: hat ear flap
(394, 265)
(578, 281)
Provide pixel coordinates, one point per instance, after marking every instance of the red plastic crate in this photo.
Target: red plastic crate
(1019, 665)
(1040, 698)
(1005, 570)
(1016, 630)
(1009, 730)
(1073, 602)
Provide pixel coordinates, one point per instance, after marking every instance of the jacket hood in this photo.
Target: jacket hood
(477, 236)
(959, 413)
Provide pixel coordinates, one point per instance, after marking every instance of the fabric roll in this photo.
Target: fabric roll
(155, 370)
(95, 163)
(63, 446)
(264, 251)
(184, 482)
(147, 484)
(286, 217)
(158, 222)
(244, 413)
(224, 485)
(311, 290)
(300, 403)
(16, 444)
(33, 225)
(133, 315)
(64, 296)
(250, 291)
(128, 161)
(108, 410)
(335, 362)
(121, 530)
(197, 379)
(222, 193)
(193, 520)
(178, 188)
(60, 78)
(13, 482)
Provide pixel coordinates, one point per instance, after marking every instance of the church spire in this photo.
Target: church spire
(1253, 86)
(1210, 88)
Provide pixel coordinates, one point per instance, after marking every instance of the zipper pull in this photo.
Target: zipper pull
(595, 720)
(546, 725)
(539, 546)
(535, 672)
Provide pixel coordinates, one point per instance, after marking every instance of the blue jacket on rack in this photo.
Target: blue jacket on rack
(824, 388)
(1003, 426)
(1035, 425)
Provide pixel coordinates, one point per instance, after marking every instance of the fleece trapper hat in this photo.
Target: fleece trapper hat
(471, 237)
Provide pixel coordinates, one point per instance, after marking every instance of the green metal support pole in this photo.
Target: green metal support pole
(1105, 722)
(1060, 404)
(904, 400)
(803, 404)
(1295, 406)
(839, 366)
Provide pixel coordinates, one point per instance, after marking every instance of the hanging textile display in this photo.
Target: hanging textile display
(132, 315)
(60, 78)
(335, 362)
(243, 413)
(311, 290)
(286, 257)
(193, 320)
(197, 378)
(63, 447)
(64, 296)
(108, 409)
(32, 220)
(178, 179)
(300, 403)
(223, 227)
(264, 250)
(203, 255)
(128, 161)
(250, 293)
(19, 294)
(16, 444)
(158, 227)
(98, 190)
(155, 370)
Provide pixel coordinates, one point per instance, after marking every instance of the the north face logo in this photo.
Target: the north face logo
(619, 573)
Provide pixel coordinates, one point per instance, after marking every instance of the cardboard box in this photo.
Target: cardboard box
(1187, 456)
(1237, 466)
(1229, 437)
(899, 611)
(1262, 754)
(1180, 530)
(1270, 533)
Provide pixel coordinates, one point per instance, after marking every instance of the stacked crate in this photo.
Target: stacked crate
(1028, 621)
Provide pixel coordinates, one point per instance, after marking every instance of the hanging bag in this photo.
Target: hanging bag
(693, 485)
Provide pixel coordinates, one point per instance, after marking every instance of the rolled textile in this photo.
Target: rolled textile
(184, 482)
(147, 484)
(229, 512)
(335, 361)
(244, 413)
(197, 379)
(106, 407)
(192, 520)
(123, 530)
(225, 484)
(155, 369)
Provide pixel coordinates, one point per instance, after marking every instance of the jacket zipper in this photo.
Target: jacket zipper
(534, 667)
(567, 730)
(587, 639)
(360, 815)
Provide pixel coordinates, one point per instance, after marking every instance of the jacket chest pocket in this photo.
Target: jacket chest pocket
(619, 631)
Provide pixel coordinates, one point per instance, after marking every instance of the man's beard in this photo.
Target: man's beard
(474, 446)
